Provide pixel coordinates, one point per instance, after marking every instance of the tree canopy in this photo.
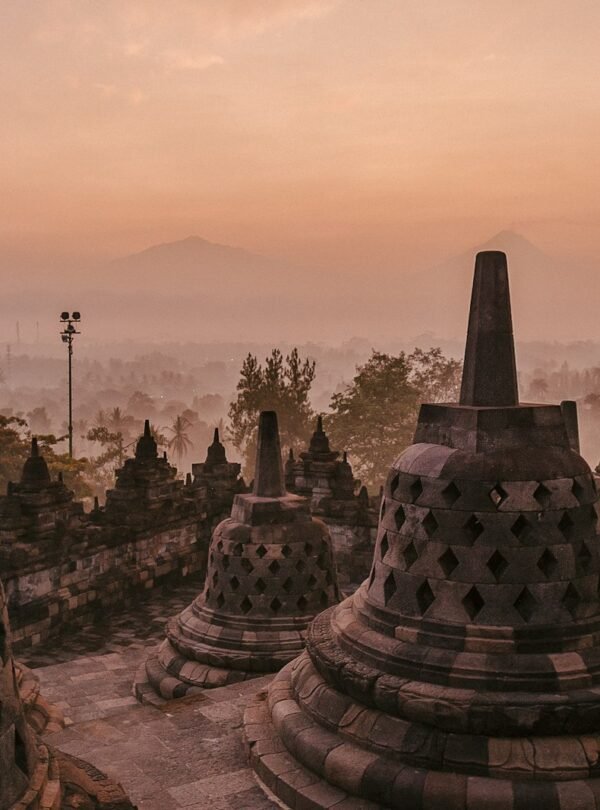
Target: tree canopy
(282, 385)
(374, 417)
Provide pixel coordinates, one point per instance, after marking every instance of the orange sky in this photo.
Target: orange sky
(349, 131)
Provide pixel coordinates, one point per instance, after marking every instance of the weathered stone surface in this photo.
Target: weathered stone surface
(32, 775)
(64, 568)
(270, 571)
(465, 671)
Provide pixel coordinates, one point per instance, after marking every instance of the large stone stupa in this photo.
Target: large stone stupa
(464, 674)
(270, 571)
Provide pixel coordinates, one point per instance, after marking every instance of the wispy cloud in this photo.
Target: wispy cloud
(182, 60)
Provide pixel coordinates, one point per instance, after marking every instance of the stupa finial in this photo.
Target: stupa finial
(268, 475)
(490, 372)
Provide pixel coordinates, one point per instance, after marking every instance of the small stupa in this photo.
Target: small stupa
(270, 571)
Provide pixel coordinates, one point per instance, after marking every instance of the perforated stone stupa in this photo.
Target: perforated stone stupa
(465, 672)
(33, 776)
(270, 571)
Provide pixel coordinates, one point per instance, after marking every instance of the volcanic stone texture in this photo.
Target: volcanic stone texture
(32, 775)
(465, 672)
(270, 571)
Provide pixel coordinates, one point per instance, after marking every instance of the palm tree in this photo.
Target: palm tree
(179, 442)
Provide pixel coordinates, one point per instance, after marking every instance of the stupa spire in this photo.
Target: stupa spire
(490, 373)
(268, 475)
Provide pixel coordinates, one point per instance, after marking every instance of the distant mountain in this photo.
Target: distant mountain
(191, 265)
(550, 297)
(194, 289)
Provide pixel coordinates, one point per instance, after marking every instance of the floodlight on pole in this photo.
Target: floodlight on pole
(68, 333)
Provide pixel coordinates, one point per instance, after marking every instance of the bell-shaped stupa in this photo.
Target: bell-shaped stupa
(465, 672)
(270, 571)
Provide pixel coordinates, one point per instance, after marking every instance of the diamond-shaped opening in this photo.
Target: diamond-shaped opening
(394, 484)
(247, 565)
(237, 550)
(302, 603)
(225, 562)
(578, 490)
(451, 494)
(543, 496)
(448, 562)
(389, 587)
(571, 599)
(288, 585)
(220, 545)
(565, 524)
(20, 750)
(416, 489)
(245, 605)
(473, 602)
(311, 581)
(275, 604)
(372, 577)
(211, 558)
(215, 578)
(473, 528)
(286, 551)
(274, 567)
(497, 564)
(220, 600)
(521, 527)
(525, 604)
(584, 556)
(260, 585)
(235, 583)
(261, 551)
(425, 597)
(323, 599)
(300, 566)
(399, 517)
(384, 546)
(547, 563)
(207, 594)
(498, 495)
(410, 555)
(308, 549)
(430, 524)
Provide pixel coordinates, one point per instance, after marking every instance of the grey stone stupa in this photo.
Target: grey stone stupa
(464, 674)
(270, 571)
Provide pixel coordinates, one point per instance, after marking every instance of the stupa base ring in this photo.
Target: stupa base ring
(292, 753)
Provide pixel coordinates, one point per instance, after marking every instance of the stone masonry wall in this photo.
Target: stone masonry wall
(91, 580)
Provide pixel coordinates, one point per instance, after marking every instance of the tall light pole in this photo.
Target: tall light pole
(67, 335)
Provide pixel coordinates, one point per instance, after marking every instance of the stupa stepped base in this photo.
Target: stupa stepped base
(314, 747)
(219, 655)
(42, 716)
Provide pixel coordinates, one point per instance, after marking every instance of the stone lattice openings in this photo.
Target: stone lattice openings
(465, 672)
(270, 571)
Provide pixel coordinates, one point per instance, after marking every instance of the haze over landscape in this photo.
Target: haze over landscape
(203, 180)
(297, 168)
